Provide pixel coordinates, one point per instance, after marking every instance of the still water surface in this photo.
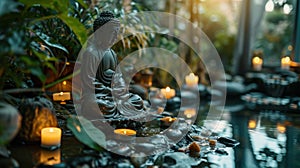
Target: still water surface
(268, 138)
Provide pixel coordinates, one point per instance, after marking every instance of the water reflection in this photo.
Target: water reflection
(267, 138)
(268, 141)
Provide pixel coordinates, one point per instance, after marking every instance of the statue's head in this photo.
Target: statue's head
(106, 28)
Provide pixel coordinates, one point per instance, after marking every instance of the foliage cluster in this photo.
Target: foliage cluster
(38, 35)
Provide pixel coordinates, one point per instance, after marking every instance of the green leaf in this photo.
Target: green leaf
(82, 128)
(77, 27)
(82, 3)
(41, 56)
(51, 42)
(61, 5)
(37, 71)
(27, 60)
(44, 58)
(51, 66)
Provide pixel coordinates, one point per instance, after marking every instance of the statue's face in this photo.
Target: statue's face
(106, 35)
(114, 34)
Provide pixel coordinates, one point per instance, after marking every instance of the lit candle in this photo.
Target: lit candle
(167, 121)
(62, 96)
(50, 157)
(189, 113)
(281, 128)
(146, 78)
(191, 80)
(257, 63)
(50, 137)
(168, 92)
(252, 124)
(125, 135)
(285, 62)
(124, 131)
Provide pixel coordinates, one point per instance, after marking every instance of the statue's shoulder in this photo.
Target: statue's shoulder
(110, 53)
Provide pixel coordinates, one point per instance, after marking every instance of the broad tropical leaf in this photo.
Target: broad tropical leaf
(80, 126)
(77, 27)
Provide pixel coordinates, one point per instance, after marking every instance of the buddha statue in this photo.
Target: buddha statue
(114, 102)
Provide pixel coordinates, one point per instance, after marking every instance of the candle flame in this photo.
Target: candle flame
(51, 130)
(168, 89)
(61, 93)
(281, 128)
(191, 74)
(64, 82)
(127, 132)
(191, 79)
(286, 60)
(189, 113)
(252, 124)
(257, 60)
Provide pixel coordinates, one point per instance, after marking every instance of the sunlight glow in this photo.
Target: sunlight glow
(269, 6)
(287, 9)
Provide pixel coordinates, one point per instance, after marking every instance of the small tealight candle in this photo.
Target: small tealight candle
(285, 62)
(257, 63)
(252, 124)
(124, 131)
(191, 80)
(62, 96)
(50, 137)
(168, 92)
(167, 121)
(189, 113)
(125, 135)
(281, 128)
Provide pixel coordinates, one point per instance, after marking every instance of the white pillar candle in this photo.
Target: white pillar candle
(285, 63)
(50, 137)
(62, 96)
(257, 63)
(191, 80)
(168, 92)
